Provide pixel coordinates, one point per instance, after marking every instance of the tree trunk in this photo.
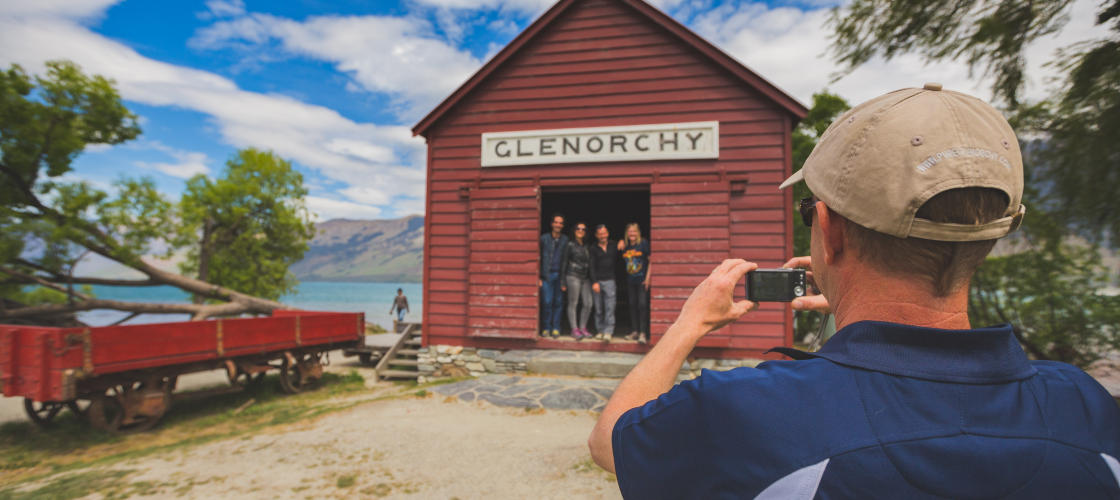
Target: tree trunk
(204, 256)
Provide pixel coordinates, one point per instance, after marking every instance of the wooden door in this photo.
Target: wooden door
(503, 270)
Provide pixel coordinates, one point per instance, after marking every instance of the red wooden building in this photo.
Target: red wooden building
(608, 111)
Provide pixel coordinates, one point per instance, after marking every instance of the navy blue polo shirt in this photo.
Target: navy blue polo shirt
(882, 411)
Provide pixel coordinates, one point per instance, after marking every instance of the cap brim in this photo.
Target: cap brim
(797, 176)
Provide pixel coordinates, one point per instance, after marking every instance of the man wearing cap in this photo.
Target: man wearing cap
(907, 399)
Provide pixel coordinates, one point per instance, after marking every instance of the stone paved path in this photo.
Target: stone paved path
(534, 392)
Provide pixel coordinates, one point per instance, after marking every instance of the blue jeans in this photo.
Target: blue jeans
(604, 307)
(400, 315)
(552, 302)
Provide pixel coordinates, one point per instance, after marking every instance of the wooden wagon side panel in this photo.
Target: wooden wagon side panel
(502, 274)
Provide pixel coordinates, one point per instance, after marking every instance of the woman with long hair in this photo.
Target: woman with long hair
(635, 252)
(577, 281)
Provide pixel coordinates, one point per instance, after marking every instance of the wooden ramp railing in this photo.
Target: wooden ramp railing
(400, 361)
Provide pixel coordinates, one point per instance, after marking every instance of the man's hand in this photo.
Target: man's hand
(712, 304)
(595, 287)
(563, 288)
(540, 283)
(813, 300)
(621, 245)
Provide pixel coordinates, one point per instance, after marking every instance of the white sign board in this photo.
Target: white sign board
(666, 141)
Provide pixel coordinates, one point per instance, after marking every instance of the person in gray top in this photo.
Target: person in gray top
(577, 281)
(400, 305)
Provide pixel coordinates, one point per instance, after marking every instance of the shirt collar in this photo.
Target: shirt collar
(980, 356)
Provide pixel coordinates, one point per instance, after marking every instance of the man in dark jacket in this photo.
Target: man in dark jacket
(554, 253)
(908, 399)
(603, 257)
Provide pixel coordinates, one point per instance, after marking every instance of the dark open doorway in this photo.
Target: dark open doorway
(615, 208)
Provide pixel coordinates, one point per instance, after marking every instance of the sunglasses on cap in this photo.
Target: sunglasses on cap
(807, 207)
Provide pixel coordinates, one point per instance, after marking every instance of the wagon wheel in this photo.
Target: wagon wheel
(303, 374)
(105, 412)
(78, 407)
(42, 413)
(246, 379)
(110, 411)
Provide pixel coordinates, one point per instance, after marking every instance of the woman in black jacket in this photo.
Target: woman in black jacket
(577, 281)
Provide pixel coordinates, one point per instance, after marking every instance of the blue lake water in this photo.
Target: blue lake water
(374, 299)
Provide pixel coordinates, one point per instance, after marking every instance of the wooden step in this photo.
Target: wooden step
(397, 374)
(413, 341)
(408, 352)
(403, 362)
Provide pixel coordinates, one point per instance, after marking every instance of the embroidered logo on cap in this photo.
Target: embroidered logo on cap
(962, 153)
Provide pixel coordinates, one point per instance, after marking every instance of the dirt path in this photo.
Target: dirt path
(431, 446)
(411, 448)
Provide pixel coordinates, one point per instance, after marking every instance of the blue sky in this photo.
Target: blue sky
(335, 86)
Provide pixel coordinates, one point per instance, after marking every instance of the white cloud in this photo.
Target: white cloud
(187, 163)
(524, 6)
(313, 136)
(398, 56)
(329, 208)
(226, 8)
(68, 9)
(788, 46)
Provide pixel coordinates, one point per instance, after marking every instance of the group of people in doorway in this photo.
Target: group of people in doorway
(582, 268)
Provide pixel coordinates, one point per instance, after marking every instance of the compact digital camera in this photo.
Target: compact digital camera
(775, 285)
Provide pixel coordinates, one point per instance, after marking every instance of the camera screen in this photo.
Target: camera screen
(771, 285)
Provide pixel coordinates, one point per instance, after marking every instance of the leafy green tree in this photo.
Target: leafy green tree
(826, 107)
(1049, 291)
(48, 224)
(252, 224)
(1048, 286)
(1080, 118)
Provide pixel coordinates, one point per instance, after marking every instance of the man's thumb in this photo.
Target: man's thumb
(740, 308)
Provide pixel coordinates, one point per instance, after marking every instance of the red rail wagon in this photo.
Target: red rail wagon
(121, 377)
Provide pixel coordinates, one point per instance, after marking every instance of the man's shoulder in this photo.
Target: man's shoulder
(776, 399)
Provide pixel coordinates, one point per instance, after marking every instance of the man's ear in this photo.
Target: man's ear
(832, 228)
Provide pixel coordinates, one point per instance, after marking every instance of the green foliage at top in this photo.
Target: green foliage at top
(826, 108)
(46, 121)
(252, 222)
(1080, 162)
(255, 215)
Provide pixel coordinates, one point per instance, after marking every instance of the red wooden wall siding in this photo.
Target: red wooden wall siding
(502, 292)
(602, 64)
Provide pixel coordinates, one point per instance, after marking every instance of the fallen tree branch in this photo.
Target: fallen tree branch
(42, 282)
(198, 311)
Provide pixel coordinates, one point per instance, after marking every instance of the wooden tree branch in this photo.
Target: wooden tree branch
(82, 280)
(197, 311)
(42, 282)
(102, 244)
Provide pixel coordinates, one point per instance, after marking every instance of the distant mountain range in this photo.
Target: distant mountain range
(364, 250)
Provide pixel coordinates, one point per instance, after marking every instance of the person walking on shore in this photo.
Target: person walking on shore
(635, 251)
(603, 257)
(577, 278)
(400, 305)
(554, 251)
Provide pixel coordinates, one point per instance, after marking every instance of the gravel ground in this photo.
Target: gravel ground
(410, 448)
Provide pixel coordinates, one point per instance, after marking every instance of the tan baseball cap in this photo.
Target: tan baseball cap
(882, 160)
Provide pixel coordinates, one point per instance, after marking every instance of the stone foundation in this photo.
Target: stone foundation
(458, 361)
